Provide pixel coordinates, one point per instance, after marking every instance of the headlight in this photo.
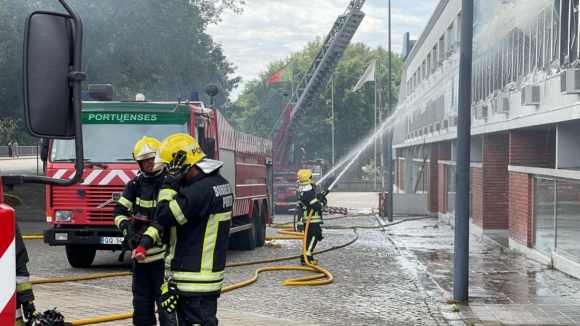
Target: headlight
(63, 216)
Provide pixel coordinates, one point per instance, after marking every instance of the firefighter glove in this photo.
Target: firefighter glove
(131, 239)
(140, 253)
(321, 196)
(28, 310)
(176, 167)
(169, 296)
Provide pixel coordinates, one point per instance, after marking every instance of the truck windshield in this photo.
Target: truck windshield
(112, 142)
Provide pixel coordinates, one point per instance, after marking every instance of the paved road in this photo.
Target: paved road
(373, 284)
(22, 165)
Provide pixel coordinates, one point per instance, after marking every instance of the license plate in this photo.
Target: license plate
(112, 240)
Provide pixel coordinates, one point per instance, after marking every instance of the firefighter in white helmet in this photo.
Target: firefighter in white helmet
(134, 216)
(195, 208)
(308, 200)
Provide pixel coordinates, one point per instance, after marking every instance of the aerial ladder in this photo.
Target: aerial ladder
(304, 98)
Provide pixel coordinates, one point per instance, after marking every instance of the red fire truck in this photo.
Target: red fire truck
(81, 216)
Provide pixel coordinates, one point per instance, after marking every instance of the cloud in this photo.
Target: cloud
(271, 29)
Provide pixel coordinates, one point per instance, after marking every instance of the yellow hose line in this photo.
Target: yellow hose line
(79, 278)
(105, 319)
(32, 236)
(284, 237)
(288, 232)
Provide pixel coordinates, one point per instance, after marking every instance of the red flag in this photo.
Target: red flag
(282, 74)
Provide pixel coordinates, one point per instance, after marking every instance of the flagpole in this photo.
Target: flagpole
(375, 161)
(381, 133)
(332, 113)
(390, 132)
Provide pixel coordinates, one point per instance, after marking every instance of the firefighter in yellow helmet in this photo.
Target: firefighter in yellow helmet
(308, 200)
(195, 208)
(134, 215)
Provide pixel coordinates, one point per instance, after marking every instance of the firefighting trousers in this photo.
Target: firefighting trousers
(312, 237)
(146, 287)
(197, 311)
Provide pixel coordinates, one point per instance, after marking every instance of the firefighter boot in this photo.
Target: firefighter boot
(311, 260)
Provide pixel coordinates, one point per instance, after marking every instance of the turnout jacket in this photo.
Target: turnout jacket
(140, 197)
(197, 219)
(307, 201)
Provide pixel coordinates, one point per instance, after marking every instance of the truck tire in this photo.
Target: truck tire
(261, 238)
(80, 256)
(246, 240)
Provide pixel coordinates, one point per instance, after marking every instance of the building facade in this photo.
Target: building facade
(525, 123)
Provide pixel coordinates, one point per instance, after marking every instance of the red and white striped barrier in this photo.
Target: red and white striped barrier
(7, 265)
(335, 210)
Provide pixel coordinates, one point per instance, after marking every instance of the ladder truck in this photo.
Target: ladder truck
(303, 101)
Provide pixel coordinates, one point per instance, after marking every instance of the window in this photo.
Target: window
(102, 141)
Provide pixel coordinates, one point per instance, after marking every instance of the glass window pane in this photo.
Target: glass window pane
(95, 135)
(450, 189)
(544, 214)
(568, 217)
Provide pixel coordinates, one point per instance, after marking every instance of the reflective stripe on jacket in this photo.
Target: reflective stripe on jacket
(307, 199)
(140, 197)
(198, 218)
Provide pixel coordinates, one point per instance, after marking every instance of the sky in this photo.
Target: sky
(271, 29)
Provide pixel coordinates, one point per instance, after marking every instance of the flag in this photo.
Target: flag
(369, 75)
(282, 74)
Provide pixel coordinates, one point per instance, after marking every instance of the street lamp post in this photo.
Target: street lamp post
(461, 245)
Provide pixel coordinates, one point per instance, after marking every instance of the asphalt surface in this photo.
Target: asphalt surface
(373, 283)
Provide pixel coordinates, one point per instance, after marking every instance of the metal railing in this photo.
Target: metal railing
(22, 151)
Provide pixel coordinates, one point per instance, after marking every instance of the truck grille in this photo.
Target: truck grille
(87, 204)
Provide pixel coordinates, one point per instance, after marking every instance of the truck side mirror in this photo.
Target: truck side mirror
(48, 58)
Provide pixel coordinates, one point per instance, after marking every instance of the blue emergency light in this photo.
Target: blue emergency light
(193, 96)
(85, 96)
(80, 192)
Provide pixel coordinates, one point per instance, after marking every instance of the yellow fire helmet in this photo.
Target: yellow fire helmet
(145, 148)
(305, 177)
(184, 142)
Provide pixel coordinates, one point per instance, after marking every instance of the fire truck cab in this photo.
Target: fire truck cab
(81, 216)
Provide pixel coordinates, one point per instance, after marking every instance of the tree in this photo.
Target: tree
(158, 48)
(258, 108)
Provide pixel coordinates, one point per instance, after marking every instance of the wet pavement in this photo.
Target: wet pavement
(399, 275)
(505, 288)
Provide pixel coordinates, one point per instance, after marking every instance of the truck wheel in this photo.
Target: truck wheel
(80, 256)
(246, 240)
(261, 226)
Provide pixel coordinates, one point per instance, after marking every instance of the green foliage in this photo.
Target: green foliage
(258, 108)
(371, 171)
(158, 48)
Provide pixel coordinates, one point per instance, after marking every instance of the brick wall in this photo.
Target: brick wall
(496, 182)
(443, 154)
(532, 147)
(477, 197)
(442, 189)
(520, 208)
(433, 180)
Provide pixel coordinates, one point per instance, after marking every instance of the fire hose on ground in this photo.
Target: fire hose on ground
(306, 280)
